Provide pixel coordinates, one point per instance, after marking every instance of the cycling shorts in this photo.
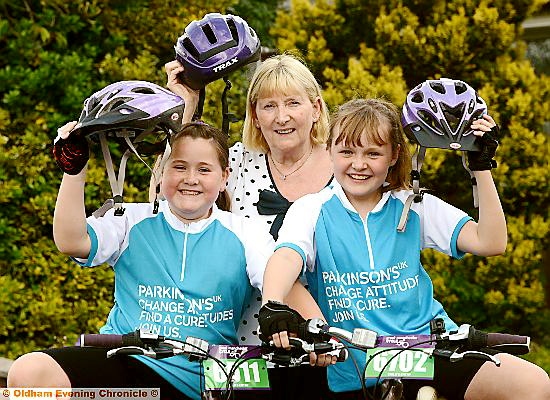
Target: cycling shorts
(89, 367)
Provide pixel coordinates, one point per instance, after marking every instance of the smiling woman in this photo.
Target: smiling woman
(282, 157)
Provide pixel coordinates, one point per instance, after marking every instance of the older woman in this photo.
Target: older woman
(282, 157)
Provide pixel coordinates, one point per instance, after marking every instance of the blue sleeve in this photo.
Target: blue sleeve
(455, 252)
(93, 248)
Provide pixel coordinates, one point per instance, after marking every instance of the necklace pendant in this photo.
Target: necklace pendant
(283, 177)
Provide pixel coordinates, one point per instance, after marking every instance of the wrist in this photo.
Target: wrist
(81, 176)
(273, 301)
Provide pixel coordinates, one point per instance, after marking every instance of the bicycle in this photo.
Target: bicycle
(226, 368)
(225, 374)
(467, 342)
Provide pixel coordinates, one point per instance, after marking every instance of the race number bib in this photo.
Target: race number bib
(243, 364)
(394, 358)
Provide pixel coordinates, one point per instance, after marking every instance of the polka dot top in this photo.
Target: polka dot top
(249, 175)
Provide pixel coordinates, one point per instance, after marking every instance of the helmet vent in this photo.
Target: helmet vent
(187, 45)
(453, 115)
(471, 106)
(438, 87)
(210, 35)
(460, 88)
(144, 90)
(432, 105)
(233, 29)
(418, 97)
(114, 105)
(430, 120)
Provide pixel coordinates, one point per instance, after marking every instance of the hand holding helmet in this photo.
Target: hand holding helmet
(448, 114)
(488, 133)
(71, 152)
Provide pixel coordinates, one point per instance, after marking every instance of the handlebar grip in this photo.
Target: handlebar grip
(111, 341)
(513, 344)
(107, 341)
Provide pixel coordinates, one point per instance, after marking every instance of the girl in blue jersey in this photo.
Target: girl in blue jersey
(184, 271)
(364, 273)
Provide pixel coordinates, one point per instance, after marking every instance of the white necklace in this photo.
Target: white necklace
(284, 176)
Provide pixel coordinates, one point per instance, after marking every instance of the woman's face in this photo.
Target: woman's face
(286, 119)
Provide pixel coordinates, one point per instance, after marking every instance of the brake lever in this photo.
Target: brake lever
(131, 351)
(453, 356)
(481, 356)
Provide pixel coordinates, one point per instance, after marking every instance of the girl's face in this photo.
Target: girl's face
(193, 178)
(362, 170)
(286, 119)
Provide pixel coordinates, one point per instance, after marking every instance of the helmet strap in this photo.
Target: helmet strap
(157, 175)
(116, 183)
(472, 179)
(418, 193)
(227, 117)
(200, 106)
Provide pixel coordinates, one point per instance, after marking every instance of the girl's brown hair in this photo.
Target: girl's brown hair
(380, 120)
(200, 130)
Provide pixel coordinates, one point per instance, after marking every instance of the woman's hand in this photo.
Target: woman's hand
(189, 96)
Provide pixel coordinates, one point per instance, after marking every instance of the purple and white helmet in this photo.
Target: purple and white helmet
(214, 46)
(141, 107)
(438, 114)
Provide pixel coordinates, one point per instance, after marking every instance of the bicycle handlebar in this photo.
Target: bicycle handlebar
(156, 346)
(475, 339)
(112, 341)
(467, 338)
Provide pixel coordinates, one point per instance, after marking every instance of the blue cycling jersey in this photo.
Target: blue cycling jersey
(177, 279)
(364, 273)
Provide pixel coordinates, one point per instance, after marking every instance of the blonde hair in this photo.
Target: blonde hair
(380, 120)
(282, 73)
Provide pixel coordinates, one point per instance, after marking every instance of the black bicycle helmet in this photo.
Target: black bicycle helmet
(214, 46)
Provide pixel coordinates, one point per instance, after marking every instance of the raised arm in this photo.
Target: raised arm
(189, 96)
(191, 99)
(487, 237)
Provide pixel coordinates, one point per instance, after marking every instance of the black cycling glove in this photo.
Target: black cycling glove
(71, 154)
(483, 160)
(276, 317)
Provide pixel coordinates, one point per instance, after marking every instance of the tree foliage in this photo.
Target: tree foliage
(56, 53)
